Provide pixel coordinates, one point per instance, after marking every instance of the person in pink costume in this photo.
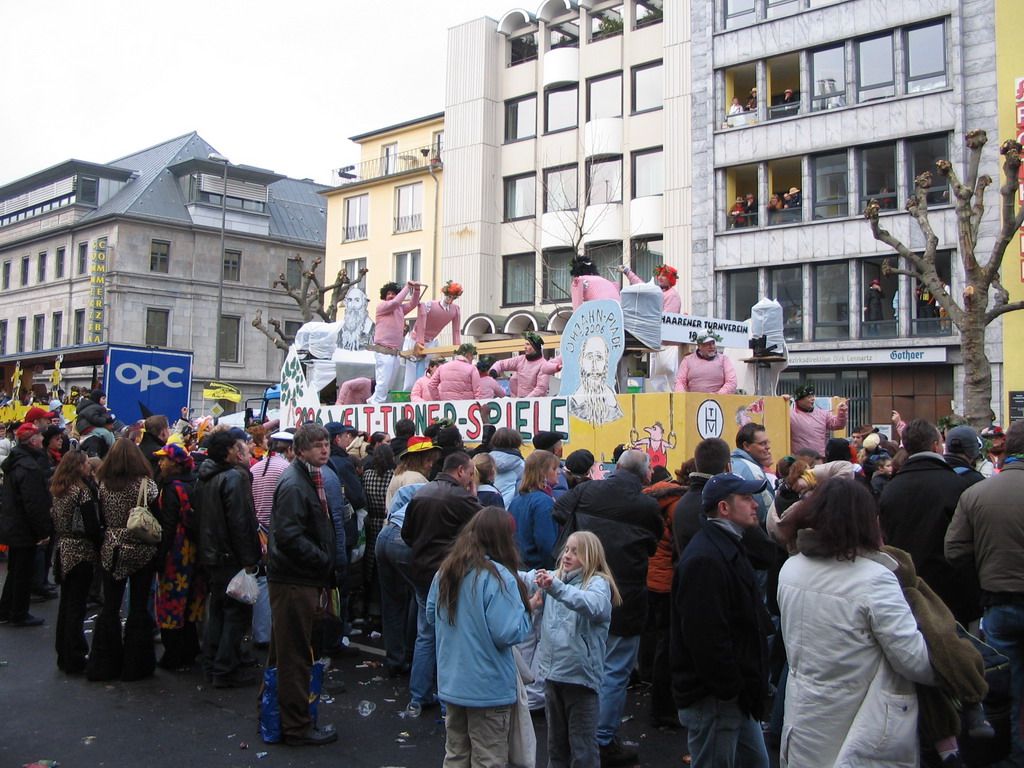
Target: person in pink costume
(666, 278)
(421, 387)
(432, 318)
(489, 383)
(388, 333)
(531, 369)
(809, 426)
(587, 285)
(707, 371)
(457, 379)
(354, 392)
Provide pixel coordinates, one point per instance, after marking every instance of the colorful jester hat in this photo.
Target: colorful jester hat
(535, 339)
(452, 289)
(670, 272)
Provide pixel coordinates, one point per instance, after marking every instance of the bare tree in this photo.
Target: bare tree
(311, 297)
(976, 309)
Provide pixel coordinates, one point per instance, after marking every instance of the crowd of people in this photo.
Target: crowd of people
(806, 605)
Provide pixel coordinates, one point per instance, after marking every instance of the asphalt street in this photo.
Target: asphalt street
(176, 720)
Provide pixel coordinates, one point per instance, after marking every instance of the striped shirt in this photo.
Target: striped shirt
(265, 475)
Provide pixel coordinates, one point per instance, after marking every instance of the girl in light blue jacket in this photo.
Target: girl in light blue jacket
(574, 633)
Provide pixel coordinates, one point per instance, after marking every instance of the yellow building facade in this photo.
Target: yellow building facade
(387, 218)
(1010, 69)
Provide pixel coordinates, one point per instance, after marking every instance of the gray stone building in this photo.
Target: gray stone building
(128, 252)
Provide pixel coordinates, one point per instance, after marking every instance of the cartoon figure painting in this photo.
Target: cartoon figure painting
(356, 327)
(747, 414)
(592, 344)
(656, 445)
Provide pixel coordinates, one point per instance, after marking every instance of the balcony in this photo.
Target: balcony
(355, 232)
(408, 223)
(391, 165)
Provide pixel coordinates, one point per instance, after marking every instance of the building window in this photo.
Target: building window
(739, 182)
(357, 217)
(740, 106)
(291, 328)
(784, 176)
(517, 279)
(389, 158)
(79, 326)
(58, 263)
(561, 189)
(352, 267)
(830, 186)
(20, 341)
(926, 315)
(604, 97)
(878, 176)
(555, 277)
(740, 293)
(648, 12)
(828, 72)
(408, 208)
(786, 286)
(607, 258)
(56, 330)
(783, 72)
(38, 326)
(436, 144)
(645, 254)
(561, 109)
(878, 318)
(159, 256)
(520, 197)
(156, 328)
(926, 57)
(875, 73)
(923, 154)
(3, 337)
(648, 173)
(41, 268)
(83, 258)
(831, 301)
(648, 89)
(86, 190)
(5, 281)
(739, 13)
(24, 270)
(521, 118)
(230, 336)
(564, 34)
(606, 23)
(407, 266)
(233, 266)
(604, 181)
(522, 48)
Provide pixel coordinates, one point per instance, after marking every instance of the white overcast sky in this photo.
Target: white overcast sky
(281, 85)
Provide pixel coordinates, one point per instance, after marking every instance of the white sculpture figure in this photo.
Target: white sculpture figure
(356, 327)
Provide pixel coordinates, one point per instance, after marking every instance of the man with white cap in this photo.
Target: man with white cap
(704, 370)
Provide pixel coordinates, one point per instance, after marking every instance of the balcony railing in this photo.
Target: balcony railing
(408, 223)
(400, 162)
(355, 232)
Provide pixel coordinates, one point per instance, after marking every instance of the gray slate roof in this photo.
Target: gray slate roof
(297, 212)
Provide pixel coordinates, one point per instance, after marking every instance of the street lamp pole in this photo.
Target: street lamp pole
(217, 158)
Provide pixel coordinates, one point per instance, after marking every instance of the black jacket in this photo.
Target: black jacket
(964, 469)
(227, 518)
(89, 414)
(25, 503)
(346, 471)
(301, 545)
(720, 626)
(916, 508)
(628, 523)
(148, 445)
(433, 519)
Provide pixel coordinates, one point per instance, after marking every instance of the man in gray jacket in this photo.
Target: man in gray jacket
(988, 529)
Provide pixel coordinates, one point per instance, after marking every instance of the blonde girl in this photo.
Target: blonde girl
(577, 614)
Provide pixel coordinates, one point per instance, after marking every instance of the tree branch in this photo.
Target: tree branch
(279, 340)
(1002, 309)
(1012, 220)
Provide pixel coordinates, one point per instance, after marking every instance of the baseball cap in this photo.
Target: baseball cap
(283, 436)
(721, 487)
(25, 432)
(36, 412)
(963, 439)
(545, 441)
(239, 434)
(335, 428)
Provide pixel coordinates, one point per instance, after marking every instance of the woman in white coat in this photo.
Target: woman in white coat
(853, 645)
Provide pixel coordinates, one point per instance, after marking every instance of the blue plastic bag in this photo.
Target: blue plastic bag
(270, 709)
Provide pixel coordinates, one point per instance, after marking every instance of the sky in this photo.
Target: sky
(279, 85)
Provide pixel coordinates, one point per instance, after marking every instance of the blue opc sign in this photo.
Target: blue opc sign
(143, 381)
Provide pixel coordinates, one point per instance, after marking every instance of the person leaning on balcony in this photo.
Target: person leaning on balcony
(387, 335)
(736, 108)
(738, 213)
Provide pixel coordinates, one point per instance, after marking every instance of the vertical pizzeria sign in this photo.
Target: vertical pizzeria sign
(97, 286)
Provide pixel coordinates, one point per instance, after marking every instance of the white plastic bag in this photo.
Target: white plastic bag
(243, 587)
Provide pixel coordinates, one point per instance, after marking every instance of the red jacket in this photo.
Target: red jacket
(661, 566)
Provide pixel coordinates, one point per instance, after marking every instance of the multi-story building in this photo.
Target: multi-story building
(561, 141)
(849, 101)
(128, 252)
(387, 217)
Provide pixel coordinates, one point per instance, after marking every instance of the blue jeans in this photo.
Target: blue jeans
(397, 611)
(720, 736)
(423, 677)
(619, 660)
(1004, 630)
